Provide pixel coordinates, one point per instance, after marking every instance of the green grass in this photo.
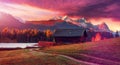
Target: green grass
(104, 46)
(26, 57)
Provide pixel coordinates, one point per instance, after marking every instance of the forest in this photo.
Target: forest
(25, 35)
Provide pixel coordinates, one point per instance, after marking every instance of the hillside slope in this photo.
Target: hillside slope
(105, 52)
(26, 57)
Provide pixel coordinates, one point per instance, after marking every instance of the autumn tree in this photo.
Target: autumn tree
(97, 37)
(5, 32)
(48, 34)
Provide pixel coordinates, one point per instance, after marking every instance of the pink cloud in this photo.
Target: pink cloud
(78, 8)
(26, 12)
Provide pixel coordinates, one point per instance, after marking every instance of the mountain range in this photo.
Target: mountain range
(82, 22)
(7, 20)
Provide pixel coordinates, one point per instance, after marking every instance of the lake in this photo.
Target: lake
(16, 45)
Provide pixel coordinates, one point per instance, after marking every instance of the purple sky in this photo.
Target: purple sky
(96, 10)
(77, 8)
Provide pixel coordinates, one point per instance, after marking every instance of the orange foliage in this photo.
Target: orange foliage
(93, 39)
(48, 33)
(97, 37)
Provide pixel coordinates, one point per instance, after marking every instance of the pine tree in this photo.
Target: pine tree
(116, 34)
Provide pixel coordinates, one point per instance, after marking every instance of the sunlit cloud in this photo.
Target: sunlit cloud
(113, 25)
(97, 11)
(26, 12)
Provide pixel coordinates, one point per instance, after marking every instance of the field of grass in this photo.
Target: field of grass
(107, 45)
(26, 57)
(104, 52)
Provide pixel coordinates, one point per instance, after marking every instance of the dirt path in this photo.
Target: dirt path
(86, 59)
(101, 59)
(80, 61)
(68, 57)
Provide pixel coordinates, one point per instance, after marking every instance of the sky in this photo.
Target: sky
(95, 11)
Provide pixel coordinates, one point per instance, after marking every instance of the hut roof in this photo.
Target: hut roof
(69, 32)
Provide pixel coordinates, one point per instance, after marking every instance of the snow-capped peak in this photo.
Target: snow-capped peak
(81, 20)
(103, 27)
(21, 20)
(67, 19)
(56, 18)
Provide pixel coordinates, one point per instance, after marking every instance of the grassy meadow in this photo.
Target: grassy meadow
(105, 52)
(101, 46)
(26, 57)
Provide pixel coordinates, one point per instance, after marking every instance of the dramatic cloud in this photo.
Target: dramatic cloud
(78, 8)
(96, 11)
(26, 12)
(106, 9)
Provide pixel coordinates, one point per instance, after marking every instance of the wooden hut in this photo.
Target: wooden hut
(70, 35)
